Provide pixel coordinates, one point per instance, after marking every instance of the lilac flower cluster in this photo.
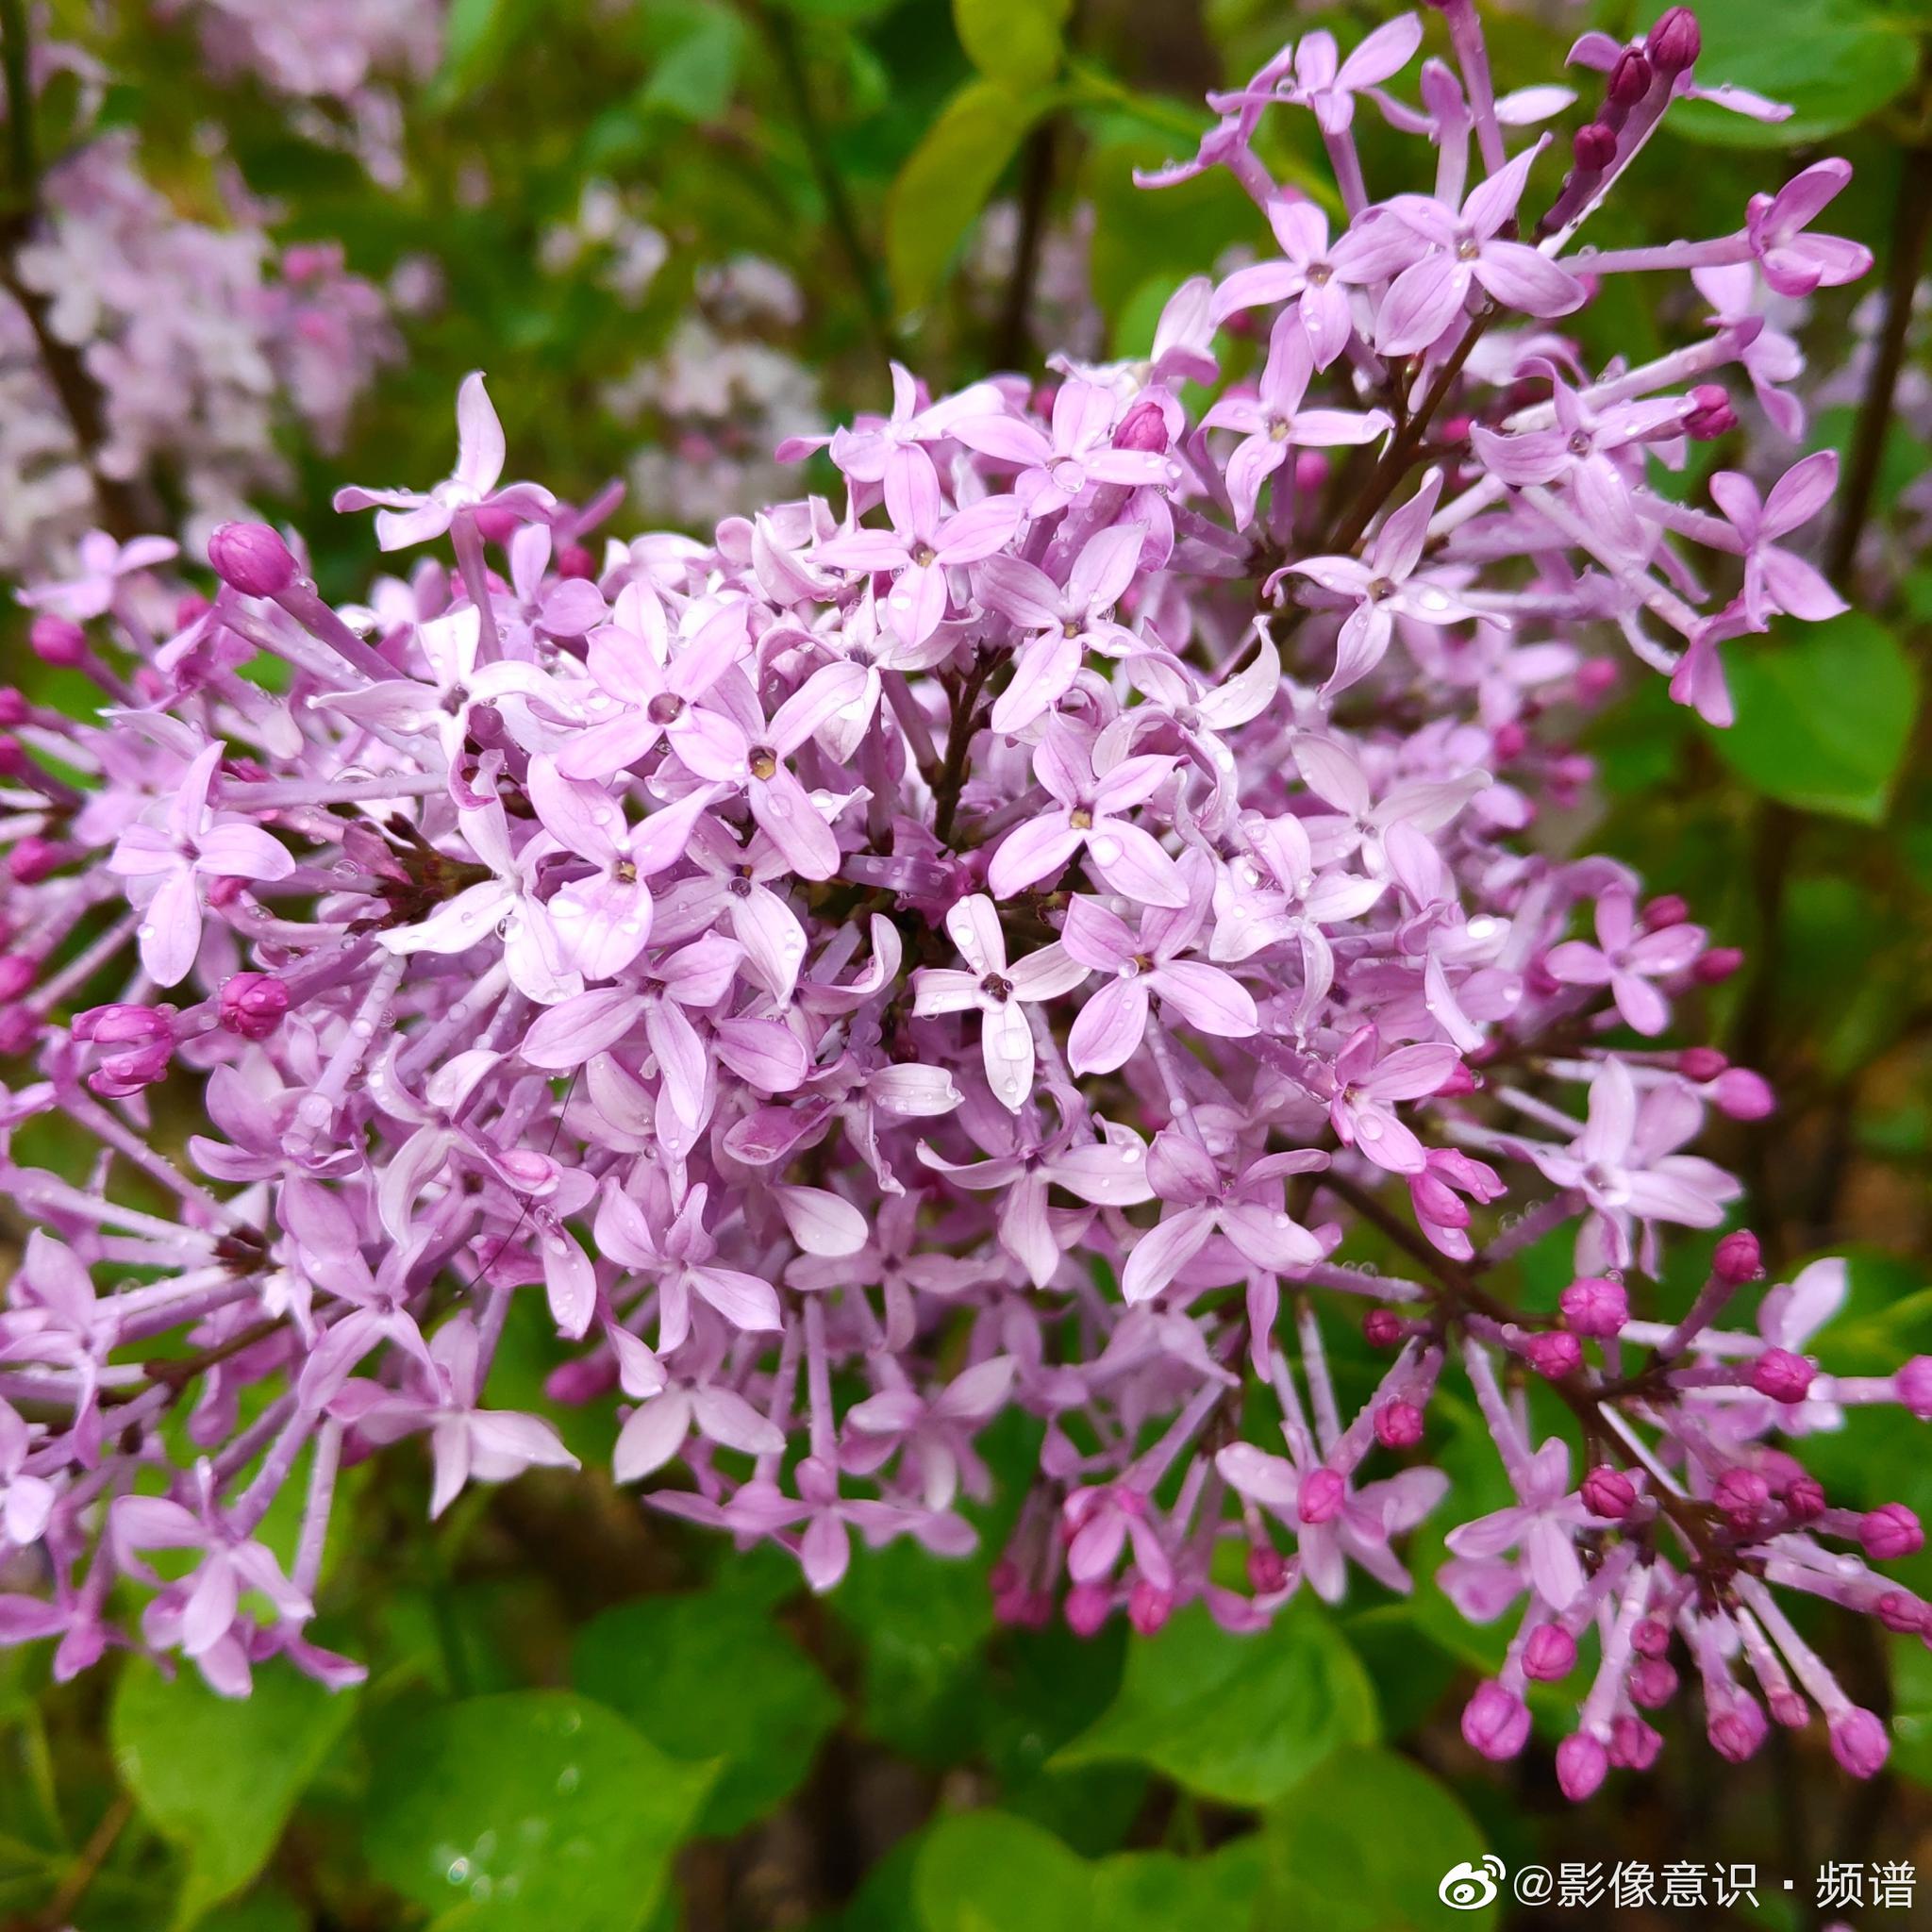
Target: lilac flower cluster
(978, 943)
(137, 344)
(339, 64)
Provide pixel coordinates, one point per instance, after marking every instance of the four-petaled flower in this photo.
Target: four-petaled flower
(404, 517)
(998, 991)
(169, 861)
(1273, 420)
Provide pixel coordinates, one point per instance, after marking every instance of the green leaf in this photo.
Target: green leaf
(478, 41)
(1156, 1892)
(1833, 62)
(704, 1676)
(1365, 1848)
(529, 1811)
(218, 1777)
(1242, 1719)
(1017, 41)
(696, 77)
(1825, 715)
(923, 1626)
(985, 1872)
(990, 1871)
(1911, 1720)
(946, 181)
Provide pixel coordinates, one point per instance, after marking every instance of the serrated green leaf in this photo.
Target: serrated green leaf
(529, 1811)
(218, 1777)
(1825, 715)
(1242, 1719)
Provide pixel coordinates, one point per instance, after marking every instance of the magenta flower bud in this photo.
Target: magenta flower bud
(1710, 414)
(1742, 1095)
(13, 758)
(1674, 43)
(1629, 80)
(1701, 1063)
(498, 525)
(1509, 741)
(1666, 909)
(1149, 1606)
(1716, 964)
(18, 1025)
(1653, 1683)
(1859, 1743)
(1323, 1493)
(253, 559)
(1495, 1722)
(1267, 1570)
(1651, 1638)
(1738, 1260)
(33, 859)
(574, 560)
(1398, 1426)
(1803, 1499)
(1596, 677)
(1582, 1764)
(56, 641)
(1633, 1745)
(1595, 1307)
(18, 973)
(1549, 1654)
(1736, 1728)
(1742, 1494)
(1458, 1080)
(253, 1004)
(1554, 1354)
(1609, 1493)
(1789, 1709)
(1903, 1615)
(1595, 147)
(1144, 427)
(1782, 1375)
(1087, 1606)
(122, 1025)
(1313, 469)
(1889, 1532)
(1385, 1328)
(1912, 1384)
(14, 708)
(140, 1043)
(573, 1384)
(191, 607)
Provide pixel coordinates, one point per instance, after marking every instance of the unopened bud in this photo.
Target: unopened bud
(1738, 1260)
(1674, 43)
(253, 1004)
(252, 558)
(1609, 1493)
(57, 641)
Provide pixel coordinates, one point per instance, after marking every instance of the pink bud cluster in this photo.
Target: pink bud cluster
(986, 942)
